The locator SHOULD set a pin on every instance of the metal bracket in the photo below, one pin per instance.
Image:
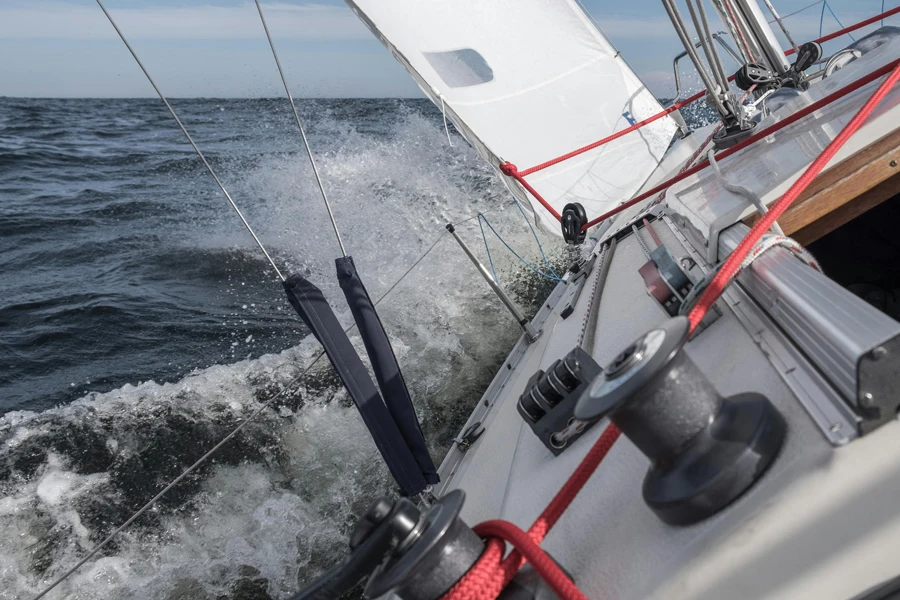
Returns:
(469, 436)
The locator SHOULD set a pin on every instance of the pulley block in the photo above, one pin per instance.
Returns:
(666, 281)
(573, 219)
(753, 74)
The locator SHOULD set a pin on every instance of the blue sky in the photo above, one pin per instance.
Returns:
(216, 47)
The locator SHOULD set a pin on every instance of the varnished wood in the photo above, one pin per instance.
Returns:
(830, 201)
(849, 211)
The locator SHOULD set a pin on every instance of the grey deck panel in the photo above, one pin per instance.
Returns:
(613, 544)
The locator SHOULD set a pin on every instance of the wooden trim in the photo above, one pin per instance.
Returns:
(826, 204)
(849, 211)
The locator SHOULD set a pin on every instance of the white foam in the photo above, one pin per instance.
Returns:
(286, 510)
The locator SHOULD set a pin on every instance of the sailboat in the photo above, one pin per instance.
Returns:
(697, 410)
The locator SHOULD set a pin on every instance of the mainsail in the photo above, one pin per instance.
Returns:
(526, 81)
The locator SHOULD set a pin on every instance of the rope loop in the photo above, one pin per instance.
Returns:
(487, 578)
(779, 241)
(509, 169)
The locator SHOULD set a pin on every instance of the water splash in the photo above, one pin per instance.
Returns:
(273, 509)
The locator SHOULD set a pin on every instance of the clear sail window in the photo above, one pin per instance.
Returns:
(460, 68)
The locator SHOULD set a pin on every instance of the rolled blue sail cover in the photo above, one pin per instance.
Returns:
(384, 363)
(310, 304)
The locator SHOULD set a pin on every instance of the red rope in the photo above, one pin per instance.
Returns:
(512, 171)
(492, 573)
(606, 140)
(733, 263)
(790, 120)
(852, 28)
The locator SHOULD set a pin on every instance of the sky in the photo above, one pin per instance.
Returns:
(216, 48)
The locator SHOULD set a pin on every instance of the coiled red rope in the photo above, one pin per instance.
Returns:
(492, 572)
(511, 170)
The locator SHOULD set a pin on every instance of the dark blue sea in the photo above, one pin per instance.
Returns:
(139, 324)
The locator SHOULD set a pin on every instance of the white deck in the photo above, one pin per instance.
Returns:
(822, 523)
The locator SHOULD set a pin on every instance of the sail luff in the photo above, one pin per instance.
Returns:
(525, 81)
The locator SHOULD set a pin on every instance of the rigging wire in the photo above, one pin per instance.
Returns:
(289, 387)
(483, 218)
(800, 10)
(191, 140)
(312, 160)
(536, 238)
(486, 248)
(176, 481)
(783, 27)
(825, 5)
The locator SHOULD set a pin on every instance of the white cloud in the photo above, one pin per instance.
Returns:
(55, 20)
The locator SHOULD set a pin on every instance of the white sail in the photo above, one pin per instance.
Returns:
(526, 81)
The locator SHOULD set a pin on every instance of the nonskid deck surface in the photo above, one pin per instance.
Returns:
(816, 526)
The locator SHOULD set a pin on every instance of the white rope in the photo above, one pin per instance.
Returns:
(779, 241)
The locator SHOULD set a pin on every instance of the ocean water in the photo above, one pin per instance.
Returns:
(139, 324)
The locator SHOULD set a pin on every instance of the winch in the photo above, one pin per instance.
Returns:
(413, 555)
(705, 450)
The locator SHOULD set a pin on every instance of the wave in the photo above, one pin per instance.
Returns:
(145, 325)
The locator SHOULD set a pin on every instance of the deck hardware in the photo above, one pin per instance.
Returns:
(530, 332)
(666, 282)
(705, 450)
(665, 278)
(549, 399)
(415, 555)
(808, 54)
(469, 436)
(577, 285)
(854, 345)
(573, 220)
(753, 75)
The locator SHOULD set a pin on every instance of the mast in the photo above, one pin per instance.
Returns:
(759, 30)
(765, 65)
